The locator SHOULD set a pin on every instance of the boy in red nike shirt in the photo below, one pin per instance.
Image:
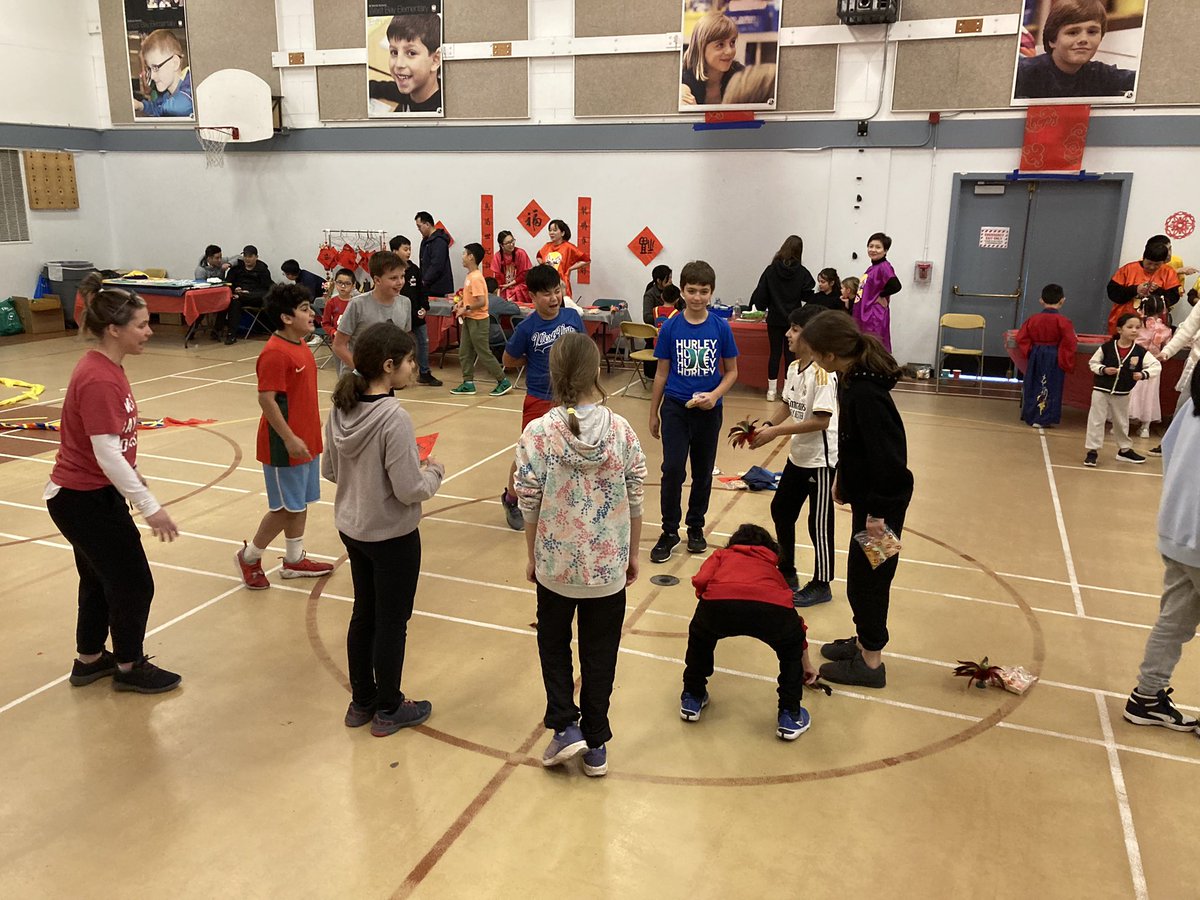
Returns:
(289, 438)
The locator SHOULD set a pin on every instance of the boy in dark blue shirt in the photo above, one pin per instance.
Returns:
(530, 347)
(697, 365)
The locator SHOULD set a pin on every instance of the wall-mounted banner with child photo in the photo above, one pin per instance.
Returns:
(160, 79)
(404, 59)
(730, 54)
(1079, 51)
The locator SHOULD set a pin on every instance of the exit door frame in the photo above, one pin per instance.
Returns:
(1124, 179)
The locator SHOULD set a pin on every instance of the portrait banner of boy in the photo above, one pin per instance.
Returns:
(404, 59)
(160, 76)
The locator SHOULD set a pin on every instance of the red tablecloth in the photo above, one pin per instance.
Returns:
(753, 352)
(192, 304)
(1077, 389)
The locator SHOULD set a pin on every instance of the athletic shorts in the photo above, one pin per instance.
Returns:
(534, 408)
(293, 488)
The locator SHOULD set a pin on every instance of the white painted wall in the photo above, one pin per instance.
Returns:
(84, 233)
(48, 63)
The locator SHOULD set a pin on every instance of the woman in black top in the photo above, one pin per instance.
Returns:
(783, 286)
(873, 477)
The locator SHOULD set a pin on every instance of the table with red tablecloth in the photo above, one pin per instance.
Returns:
(753, 352)
(1077, 388)
(190, 302)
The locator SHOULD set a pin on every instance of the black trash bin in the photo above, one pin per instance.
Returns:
(69, 272)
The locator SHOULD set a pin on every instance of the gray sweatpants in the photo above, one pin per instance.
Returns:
(1107, 406)
(1178, 618)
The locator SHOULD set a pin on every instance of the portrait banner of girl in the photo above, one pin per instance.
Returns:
(160, 76)
(729, 55)
(404, 59)
(1079, 51)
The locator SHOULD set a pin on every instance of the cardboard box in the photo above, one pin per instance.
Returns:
(41, 316)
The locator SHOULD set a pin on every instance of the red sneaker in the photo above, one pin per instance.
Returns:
(305, 568)
(252, 573)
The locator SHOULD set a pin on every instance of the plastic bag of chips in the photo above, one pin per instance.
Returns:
(1016, 679)
(879, 551)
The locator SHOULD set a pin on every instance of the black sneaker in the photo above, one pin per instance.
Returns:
(1130, 455)
(1157, 710)
(230, 338)
(512, 512)
(854, 671)
(793, 581)
(358, 716)
(842, 648)
(1091, 459)
(696, 542)
(146, 678)
(812, 593)
(406, 715)
(664, 548)
(430, 379)
(1155, 450)
(85, 673)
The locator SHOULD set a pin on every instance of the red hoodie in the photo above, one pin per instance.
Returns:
(743, 572)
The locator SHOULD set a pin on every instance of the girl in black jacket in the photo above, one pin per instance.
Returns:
(873, 477)
(783, 286)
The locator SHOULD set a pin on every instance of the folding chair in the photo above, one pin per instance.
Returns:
(629, 331)
(960, 322)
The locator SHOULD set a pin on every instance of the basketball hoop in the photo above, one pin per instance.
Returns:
(213, 139)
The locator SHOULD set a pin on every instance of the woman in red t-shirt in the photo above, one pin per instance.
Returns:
(92, 484)
(561, 253)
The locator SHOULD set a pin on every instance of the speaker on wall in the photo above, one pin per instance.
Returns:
(868, 12)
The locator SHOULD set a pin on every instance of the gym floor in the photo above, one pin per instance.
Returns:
(244, 782)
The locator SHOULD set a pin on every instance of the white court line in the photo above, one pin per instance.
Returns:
(500, 452)
(1102, 469)
(527, 633)
(1132, 850)
(1062, 526)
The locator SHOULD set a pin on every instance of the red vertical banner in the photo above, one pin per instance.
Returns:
(1055, 138)
(584, 243)
(487, 235)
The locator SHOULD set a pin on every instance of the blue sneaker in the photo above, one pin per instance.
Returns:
(565, 745)
(792, 725)
(595, 762)
(690, 706)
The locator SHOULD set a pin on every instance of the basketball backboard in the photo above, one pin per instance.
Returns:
(234, 99)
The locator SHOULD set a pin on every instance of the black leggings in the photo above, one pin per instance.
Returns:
(115, 584)
(869, 590)
(385, 586)
(777, 341)
(779, 627)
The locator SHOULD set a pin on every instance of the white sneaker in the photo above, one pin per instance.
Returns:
(771, 394)
(1145, 432)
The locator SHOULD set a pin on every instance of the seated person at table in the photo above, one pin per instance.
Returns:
(497, 307)
(652, 298)
(212, 264)
(249, 279)
(315, 284)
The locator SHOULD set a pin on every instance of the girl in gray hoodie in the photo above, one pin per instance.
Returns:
(371, 455)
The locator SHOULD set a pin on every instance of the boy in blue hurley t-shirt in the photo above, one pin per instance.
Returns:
(530, 347)
(697, 364)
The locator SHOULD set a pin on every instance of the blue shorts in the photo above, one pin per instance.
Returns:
(293, 488)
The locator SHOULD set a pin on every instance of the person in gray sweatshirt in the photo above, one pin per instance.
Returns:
(1179, 543)
(371, 455)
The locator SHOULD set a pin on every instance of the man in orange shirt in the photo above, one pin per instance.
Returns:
(1136, 280)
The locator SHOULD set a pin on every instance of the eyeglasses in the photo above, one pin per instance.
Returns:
(153, 69)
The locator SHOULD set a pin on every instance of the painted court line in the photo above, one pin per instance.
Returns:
(1132, 849)
(1062, 526)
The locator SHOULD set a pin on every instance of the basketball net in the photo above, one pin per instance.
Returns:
(214, 139)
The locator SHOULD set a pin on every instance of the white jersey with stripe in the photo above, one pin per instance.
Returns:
(809, 391)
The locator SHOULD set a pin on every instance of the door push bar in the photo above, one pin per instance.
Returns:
(1015, 296)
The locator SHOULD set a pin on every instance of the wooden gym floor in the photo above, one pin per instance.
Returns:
(245, 783)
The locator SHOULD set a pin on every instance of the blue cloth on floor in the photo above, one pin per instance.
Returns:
(760, 479)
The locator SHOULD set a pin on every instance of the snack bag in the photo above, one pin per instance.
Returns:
(879, 552)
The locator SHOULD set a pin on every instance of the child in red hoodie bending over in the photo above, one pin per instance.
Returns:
(748, 568)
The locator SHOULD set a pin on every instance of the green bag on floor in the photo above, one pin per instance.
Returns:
(10, 322)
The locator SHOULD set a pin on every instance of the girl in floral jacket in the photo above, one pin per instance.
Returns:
(579, 479)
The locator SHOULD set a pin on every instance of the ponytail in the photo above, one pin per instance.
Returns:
(835, 333)
(110, 306)
(574, 373)
(372, 349)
